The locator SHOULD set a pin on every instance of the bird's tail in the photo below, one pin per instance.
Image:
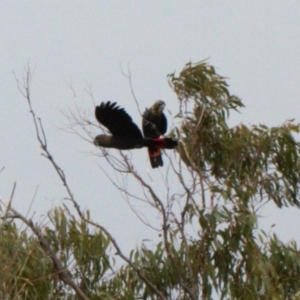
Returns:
(155, 157)
(165, 143)
(154, 146)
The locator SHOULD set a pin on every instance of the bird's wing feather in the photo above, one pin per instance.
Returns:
(148, 125)
(163, 124)
(116, 120)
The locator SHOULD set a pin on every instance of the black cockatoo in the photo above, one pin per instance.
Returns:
(154, 125)
(125, 133)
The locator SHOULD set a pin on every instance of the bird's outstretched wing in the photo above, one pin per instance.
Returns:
(116, 120)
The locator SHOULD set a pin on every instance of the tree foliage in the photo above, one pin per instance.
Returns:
(210, 243)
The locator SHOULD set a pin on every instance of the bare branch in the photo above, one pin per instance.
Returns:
(129, 77)
(41, 137)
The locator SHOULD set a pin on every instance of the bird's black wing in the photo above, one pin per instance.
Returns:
(163, 124)
(116, 120)
(154, 125)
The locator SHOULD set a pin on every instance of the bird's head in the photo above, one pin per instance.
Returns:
(102, 140)
(158, 107)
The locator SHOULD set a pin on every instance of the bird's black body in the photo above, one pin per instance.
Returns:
(154, 125)
(127, 143)
(125, 133)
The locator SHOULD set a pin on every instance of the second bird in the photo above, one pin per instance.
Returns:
(154, 125)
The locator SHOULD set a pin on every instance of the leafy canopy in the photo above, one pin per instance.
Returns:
(210, 245)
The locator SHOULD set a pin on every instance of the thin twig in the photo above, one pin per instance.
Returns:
(129, 77)
(43, 143)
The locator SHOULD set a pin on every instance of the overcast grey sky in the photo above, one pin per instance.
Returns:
(85, 43)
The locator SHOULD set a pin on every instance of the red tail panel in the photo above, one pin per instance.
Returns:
(155, 157)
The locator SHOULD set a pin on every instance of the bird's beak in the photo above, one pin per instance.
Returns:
(95, 141)
(161, 106)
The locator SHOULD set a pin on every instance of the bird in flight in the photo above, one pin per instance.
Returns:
(125, 133)
(154, 125)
